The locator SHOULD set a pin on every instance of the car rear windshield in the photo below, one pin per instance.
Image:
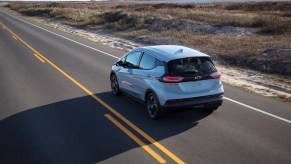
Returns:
(191, 66)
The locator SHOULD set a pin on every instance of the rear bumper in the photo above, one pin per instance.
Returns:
(197, 102)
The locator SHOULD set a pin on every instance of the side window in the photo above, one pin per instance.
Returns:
(123, 59)
(147, 62)
(132, 59)
(160, 63)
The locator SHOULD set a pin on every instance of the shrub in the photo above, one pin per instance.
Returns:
(37, 12)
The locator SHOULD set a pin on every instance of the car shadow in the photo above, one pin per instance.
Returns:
(173, 123)
(76, 131)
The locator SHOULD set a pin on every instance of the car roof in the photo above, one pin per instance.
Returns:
(171, 52)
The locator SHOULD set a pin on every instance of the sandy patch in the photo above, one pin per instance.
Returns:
(263, 84)
(94, 35)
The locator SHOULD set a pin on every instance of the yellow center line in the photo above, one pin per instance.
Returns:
(138, 141)
(14, 37)
(129, 123)
(39, 58)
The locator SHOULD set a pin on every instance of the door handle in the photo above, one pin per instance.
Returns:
(148, 75)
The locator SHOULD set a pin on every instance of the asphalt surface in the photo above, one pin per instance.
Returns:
(61, 110)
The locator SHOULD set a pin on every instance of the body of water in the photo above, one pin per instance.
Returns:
(209, 1)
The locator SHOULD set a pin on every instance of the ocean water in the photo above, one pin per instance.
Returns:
(209, 1)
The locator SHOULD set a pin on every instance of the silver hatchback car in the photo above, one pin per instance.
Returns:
(168, 76)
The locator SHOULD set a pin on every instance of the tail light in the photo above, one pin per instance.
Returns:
(172, 79)
(215, 75)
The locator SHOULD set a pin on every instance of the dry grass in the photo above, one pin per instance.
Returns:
(238, 51)
(271, 17)
(132, 20)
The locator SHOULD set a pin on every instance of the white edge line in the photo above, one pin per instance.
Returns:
(229, 99)
(258, 110)
(63, 36)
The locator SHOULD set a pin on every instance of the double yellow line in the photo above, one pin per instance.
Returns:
(136, 139)
(39, 58)
(14, 37)
(129, 123)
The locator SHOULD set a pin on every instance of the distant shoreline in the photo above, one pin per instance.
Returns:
(171, 1)
(211, 1)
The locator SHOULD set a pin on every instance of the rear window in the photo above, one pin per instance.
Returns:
(191, 66)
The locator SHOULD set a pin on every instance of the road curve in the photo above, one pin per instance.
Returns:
(56, 107)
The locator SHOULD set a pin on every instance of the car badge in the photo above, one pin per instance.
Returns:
(198, 77)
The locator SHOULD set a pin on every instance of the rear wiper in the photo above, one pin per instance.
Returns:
(191, 71)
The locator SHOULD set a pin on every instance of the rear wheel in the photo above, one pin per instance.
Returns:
(114, 85)
(153, 107)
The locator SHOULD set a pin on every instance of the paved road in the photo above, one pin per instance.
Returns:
(56, 107)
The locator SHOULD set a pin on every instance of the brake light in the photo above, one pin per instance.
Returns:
(172, 79)
(215, 75)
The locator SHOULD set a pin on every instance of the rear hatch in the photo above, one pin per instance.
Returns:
(191, 75)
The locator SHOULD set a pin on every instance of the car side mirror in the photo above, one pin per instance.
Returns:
(119, 63)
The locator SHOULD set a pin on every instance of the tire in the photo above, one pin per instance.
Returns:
(114, 85)
(153, 107)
